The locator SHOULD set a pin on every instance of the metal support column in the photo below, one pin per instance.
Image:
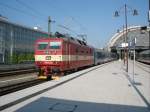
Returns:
(11, 45)
(49, 25)
(125, 8)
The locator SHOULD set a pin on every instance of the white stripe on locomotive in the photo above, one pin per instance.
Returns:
(62, 57)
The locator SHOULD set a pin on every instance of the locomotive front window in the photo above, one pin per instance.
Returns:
(55, 45)
(42, 45)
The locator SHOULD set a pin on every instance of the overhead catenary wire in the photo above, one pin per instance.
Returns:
(84, 35)
(80, 25)
(23, 12)
(71, 30)
(18, 10)
(37, 15)
(64, 27)
(28, 7)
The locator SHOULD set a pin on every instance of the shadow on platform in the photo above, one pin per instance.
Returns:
(137, 83)
(45, 104)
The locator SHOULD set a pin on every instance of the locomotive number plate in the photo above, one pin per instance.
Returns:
(48, 57)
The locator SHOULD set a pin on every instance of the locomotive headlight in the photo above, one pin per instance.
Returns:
(48, 57)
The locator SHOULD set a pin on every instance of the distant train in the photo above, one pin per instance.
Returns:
(101, 56)
(144, 57)
(58, 55)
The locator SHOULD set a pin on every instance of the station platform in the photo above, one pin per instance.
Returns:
(103, 88)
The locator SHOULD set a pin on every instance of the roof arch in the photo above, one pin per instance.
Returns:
(121, 34)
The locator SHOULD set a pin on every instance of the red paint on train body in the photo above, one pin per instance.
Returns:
(54, 55)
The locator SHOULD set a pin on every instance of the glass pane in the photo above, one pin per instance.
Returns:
(42, 45)
(55, 45)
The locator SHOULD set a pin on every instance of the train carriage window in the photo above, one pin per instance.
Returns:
(42, 45)
(55, 45)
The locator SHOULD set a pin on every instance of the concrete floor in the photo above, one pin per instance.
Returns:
(108, 88)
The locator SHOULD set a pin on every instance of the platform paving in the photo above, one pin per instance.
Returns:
(108, 88)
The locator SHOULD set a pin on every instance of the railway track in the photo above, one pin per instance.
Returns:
(15, 80)
(46, 89)
(143, 67)
(17, 72)
(16, 87)
(144, 61)
(22, 85)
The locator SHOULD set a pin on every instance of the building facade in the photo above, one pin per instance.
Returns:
(142, 38)
(17, 41)
(119, 42)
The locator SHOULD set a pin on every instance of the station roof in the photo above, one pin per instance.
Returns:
(142, 37)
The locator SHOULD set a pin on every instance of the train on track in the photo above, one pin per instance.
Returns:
(144, 57)
(55, 56)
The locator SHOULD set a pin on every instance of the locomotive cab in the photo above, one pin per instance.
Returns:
(56, 56)
(48, 56)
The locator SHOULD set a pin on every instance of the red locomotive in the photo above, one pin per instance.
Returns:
(60, 54)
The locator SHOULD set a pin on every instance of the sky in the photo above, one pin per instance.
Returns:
(93, 18)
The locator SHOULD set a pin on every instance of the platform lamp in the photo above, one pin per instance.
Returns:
(124, 10)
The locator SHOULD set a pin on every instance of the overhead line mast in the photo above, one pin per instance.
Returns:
(49, 25)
